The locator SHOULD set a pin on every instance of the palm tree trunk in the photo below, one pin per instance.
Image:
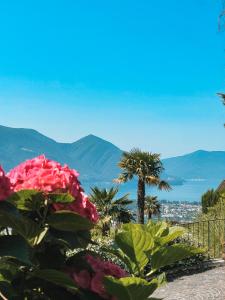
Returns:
(149, 215)
(141, 200)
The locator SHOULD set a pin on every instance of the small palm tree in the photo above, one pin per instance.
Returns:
(110, 209)
(147, 167)
(152, 206)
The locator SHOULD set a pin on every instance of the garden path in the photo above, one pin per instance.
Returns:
(208, 285)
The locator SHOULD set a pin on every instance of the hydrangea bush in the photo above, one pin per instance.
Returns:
(49, 176)
(45, 215)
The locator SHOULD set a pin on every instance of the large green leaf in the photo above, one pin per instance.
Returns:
(28, 200)
(174, 233)
(130, 288)
(9, 208)
(56, 277)
(61, 198)
(135, 242)
(171, 254)
(72, 240)
(158, 229)
(16, 247)
(69, 221)
(23, 226)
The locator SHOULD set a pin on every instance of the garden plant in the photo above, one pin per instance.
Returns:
(46, 224)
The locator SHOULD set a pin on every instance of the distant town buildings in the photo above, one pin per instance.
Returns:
(179, 211)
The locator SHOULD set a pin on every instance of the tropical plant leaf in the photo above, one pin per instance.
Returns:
(130, 288)
(56, 277)
(171, 254)
(174, 233)
(135, 242)
(69, 221)
(158, 229)
(16, 247)
(28, 200)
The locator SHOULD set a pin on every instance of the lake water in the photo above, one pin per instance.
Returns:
(190, 191)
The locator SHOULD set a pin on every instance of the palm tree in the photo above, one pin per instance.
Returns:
(110, 209)
(147, 167)
(152, 206)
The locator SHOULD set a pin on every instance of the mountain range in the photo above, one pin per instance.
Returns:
(96, 159)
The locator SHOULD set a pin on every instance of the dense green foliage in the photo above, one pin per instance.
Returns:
(209, 199)
(145, 249)
(38, 245)
(208, 230)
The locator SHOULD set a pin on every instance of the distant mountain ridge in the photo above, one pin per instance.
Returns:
(200, 164)
(96, 159)
(92, 156)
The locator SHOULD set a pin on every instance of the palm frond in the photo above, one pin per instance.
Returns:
(123, 177)
(163, 185)
(222, 95)
(108, 206)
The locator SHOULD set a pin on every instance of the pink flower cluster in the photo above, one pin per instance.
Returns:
(5, 186)
(49, 176)
(94, 281)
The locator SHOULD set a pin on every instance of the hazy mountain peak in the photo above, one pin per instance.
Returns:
(97, 159)
(92, 139)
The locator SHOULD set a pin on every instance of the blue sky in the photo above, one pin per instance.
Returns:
(138, 73)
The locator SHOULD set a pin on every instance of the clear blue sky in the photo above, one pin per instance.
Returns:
(138, 73)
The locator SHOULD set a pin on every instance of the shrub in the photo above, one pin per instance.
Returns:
(46, 222)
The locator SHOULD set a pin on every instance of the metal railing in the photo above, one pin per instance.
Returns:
(209, 234)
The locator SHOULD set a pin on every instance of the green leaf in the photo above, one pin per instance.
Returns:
(51, 256)
(174, 233)
(9, 267)
(130, 288)
(135, 242)
(61, 198)
(56, 277)
(171, 254)
(16, 247)
(158, 229)
(121, 255)
(8, 207)
(28, 200)
(7, 290)
(72, 240)
(5, 283)
(23, 226)
(69, 221)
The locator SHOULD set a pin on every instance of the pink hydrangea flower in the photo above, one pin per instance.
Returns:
(5, 187)
(49, 176)
(83, 279)
(94, 281)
